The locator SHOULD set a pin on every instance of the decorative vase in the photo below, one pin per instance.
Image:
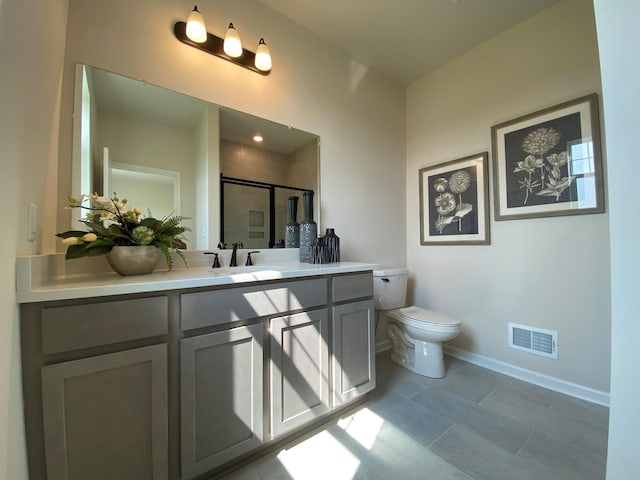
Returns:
(318, 254)
(134, 260)
(292, 229)
(331, 246)
(308, 228)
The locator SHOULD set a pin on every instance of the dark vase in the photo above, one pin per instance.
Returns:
(318, 254)
(331, 246)
(292, 229)
(308, 228)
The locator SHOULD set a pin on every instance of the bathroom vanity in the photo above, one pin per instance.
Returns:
(183, 374)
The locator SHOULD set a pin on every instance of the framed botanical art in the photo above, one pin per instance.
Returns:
(454, 202)
(548, 163)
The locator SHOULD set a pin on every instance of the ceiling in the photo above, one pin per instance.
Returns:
(406, 39)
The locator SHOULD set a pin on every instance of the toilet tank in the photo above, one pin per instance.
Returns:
(390, 288)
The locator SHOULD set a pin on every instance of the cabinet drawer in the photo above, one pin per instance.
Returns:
(83, 326)
(203, 309)
(348, 287)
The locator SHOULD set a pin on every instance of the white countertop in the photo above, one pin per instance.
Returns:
(46, 277)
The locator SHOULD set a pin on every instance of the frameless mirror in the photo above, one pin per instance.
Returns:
(172, 154)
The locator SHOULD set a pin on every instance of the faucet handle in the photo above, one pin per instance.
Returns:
(216, 260)
(248, 263)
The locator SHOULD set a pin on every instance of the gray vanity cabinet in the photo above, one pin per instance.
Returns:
(221, 397)
(353, 338)
(353, 347)
(105, 417)
(96, 389)
(175, 385)
(299, 369)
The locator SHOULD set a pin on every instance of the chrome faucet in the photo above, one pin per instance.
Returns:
(234, 262)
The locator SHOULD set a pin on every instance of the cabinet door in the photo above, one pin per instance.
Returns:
(299, 369)
(105, 417)
(354, 372)
(221, 397)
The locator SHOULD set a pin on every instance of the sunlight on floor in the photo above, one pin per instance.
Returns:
(319, 457)
(363, 427)
(309, 460)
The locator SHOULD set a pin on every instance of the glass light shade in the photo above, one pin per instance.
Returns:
(263, 57)
(196, 30)
(232, 44)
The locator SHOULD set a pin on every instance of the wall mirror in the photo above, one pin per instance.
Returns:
(170, 153)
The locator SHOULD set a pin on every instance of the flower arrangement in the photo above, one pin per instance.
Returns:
(113, 222)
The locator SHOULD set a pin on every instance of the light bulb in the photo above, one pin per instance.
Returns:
(232, 44)
(196, 30)
(263, 57)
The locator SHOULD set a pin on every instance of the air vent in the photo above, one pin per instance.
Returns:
(533, 340)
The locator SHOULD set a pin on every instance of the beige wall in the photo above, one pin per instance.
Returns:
(29, 94)
(358, 113)
(551, 273)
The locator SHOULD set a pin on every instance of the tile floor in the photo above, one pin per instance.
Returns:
(473, 424)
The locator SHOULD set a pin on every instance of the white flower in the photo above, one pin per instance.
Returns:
(89, 237)
(71, 241)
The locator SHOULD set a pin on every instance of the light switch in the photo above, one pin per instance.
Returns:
(32, 222)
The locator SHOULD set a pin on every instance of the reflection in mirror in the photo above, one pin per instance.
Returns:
(167, 152)
(158, 190)
(262, 206)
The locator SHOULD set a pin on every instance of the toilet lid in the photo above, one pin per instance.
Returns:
(427, 316)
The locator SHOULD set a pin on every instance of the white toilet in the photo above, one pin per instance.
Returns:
(416, 333)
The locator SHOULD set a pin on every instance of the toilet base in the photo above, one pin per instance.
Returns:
(429, 360)
(423, 358)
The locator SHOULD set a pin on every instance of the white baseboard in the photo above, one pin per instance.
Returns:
(552, 383)
(383, 345)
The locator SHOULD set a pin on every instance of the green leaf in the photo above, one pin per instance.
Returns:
(78, 251)
(118, 232)
(71, 233)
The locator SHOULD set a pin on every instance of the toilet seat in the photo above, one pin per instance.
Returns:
(427, 316)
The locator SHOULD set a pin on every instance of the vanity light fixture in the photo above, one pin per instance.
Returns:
(263, 57)
(232, 43)
(194, 33)
(196, 30)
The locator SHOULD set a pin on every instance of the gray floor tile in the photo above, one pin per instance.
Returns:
(469, 388)
(590, 413)
(502, 431)
(395, 456)
(497, 380)
(482, 460)
(249, 472)
(392, 377)
(474, 424)
(568, 461)
(546, 420)
(453, 364)
(416, 421)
